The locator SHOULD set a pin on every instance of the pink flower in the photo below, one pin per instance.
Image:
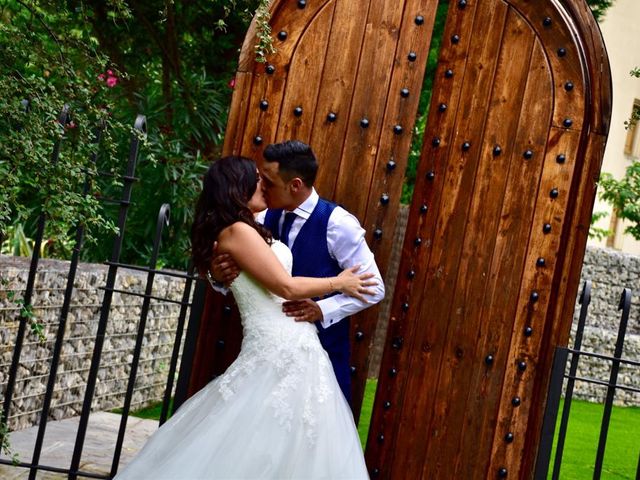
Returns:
(101, 77)
(110, 73)
(232, 83)
(72, 124)
(112, 82)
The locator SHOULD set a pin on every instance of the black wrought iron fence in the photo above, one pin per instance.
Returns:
(571, 356)
(189, 302)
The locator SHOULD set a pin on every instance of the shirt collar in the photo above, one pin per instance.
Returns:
(305, 208)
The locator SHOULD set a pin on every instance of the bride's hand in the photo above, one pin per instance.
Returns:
(355, 285)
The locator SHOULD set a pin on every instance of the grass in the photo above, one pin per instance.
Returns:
(621, 455)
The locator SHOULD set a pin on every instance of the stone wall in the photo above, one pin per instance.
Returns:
(79, 339)
(610, 271)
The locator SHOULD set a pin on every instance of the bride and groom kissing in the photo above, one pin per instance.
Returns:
(281, 410)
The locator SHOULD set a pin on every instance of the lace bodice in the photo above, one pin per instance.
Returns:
(270, 337)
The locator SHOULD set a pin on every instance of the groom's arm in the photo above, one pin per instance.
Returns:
(347, 244)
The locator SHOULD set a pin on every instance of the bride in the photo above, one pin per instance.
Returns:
(277, 412)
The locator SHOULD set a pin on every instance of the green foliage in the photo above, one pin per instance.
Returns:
(5, 442)
(171, 61)
(598, 233)
(599, 7)
(624, 196)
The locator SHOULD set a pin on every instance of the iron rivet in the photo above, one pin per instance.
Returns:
(568, 86)
(270, 69)
(534, 297)
(397, 342)
(331, 117)
(257, 140)
(515, 401)
(297, 111)
(423, 209)
(448, 73)
(282, 35)
(393, 372)
(397, 129)
(264, 105)
(227, 310)
(405, 307)
(541, 262)
(547, 22)
(359, 335)
(562, 52)
(528, 331)
(508, 437)
(377, 233)
(353, 370)
(466, 146)
(417, 242)
(386, 405)
(412, 56)
(384, 199)
(554, 193)
(302, 3)
(391, 165)
(546, 228)
(419, 20)
(404, 93)
(364, 123)
(431, 175)
(375, 472)
(411, 274)
(435, 142)
(497, 151)
(455, 39)
(220, 344)
(502, 472)
(528, 154)
(488, 359)
(380, 438)
(522, 365)
(567, 122)
(442, 107)
(462, 3)
(561, 158)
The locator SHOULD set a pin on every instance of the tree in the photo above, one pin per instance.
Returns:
(170, 60)
(624, 194)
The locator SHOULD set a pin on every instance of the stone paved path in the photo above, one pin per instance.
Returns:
(60, 437)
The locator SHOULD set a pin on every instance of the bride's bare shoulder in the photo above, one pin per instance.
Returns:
(235, 232)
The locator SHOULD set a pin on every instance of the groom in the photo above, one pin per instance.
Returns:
(324, 239)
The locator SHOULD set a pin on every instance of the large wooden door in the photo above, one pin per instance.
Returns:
(500, 214)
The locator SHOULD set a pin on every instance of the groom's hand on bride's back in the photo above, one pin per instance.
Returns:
(224, 269)
(302, 310)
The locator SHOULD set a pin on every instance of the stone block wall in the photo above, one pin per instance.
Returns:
(79, 339)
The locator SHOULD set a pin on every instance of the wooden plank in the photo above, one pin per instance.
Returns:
(305, 75)
(504, 275)
(464, 317)
(438, 290)
(518, 384)
(336, 91)
(369, 99)
(384, 194)
(238, 114)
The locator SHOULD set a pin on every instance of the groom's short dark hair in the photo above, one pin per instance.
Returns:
(295, 159)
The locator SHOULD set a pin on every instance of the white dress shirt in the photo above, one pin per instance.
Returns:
(347, 245)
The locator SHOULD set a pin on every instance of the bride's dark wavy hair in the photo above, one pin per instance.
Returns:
(227, 187)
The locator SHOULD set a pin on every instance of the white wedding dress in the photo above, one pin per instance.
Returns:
(276, 413)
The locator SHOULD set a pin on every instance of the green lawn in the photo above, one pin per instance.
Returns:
(623, 444)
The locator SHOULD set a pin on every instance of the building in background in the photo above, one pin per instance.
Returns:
(621, 32)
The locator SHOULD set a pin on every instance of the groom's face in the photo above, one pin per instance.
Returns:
(278, 191)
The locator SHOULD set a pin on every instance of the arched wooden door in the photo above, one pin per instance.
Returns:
(499, 218)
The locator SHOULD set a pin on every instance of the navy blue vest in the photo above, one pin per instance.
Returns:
(311, 258)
